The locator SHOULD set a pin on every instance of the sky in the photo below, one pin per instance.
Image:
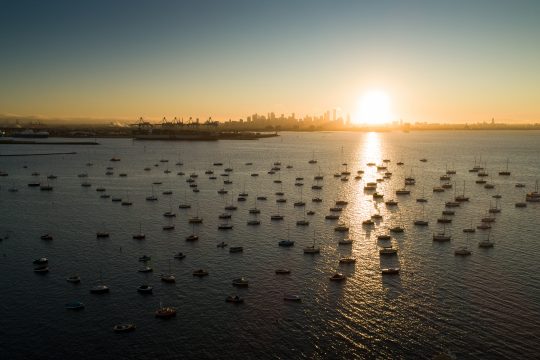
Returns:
(437, 61)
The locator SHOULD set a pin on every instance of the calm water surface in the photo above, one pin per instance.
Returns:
(486, 305)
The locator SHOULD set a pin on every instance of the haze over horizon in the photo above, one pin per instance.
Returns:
(433, 61)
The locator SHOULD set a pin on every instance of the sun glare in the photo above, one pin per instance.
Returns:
(374, 108)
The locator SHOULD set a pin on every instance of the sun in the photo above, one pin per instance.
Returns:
(374, 108)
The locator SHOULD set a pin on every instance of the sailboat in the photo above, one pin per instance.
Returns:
(397, 228)
(146, 268)
(168, 277)
(469, 229)
(410, 180)
(179, 162)
(316, 186)
(486, 243)
(505, 172)
(140, 235)
(243, 193)
(193, 236)
(403, 191)
(86, 183)
(127, 202)
(229, 169)
(483, 172)
(280, 192)
(533, 196)
(254, 209)
(100, 288)
(345, 241)
(346, 172)
(46, 187)
(341, 227)
(231, 206)
(387, 250)
(286, 242)
(312, 249)
(170, 213)
(496, 209)
(444, 219)
(377, 215)
(312, 161)
(463, 250)
(195, 219)
(390, 271)
(165, 312)
(368, 222)
(451, 171)
(476, 167)
(319, 176)
(151, 197)
(276, 216)
(421, 222)
(169, 226)
(422, 199)
(442, 236)
(304, 221)
(185, 204)
(462, 197)
(102, 234)
(301, 201)
(225, 226)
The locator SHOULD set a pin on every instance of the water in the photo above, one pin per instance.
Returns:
(484, 305)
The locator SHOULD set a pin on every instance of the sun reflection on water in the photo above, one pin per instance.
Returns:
(372, 148)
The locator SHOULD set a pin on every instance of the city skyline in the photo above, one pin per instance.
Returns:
(435, 62)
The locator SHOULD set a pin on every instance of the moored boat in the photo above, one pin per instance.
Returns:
(346, 241)
(283, 271)
(165, 312)
(99, 289)
(236, 249)
(75, 305)
(121, 328)
(338, 277)
(41, 269)
(240, 282)
(286, 243)
(200, 273)
(462, 251)
(145, 289)
(74, 279)
(533, 196)
(390, 271)
(40, 261)
(387, 250)
(234, 299)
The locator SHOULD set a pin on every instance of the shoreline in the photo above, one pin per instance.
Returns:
(94, 133)
(32, 142)
(40, 154)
